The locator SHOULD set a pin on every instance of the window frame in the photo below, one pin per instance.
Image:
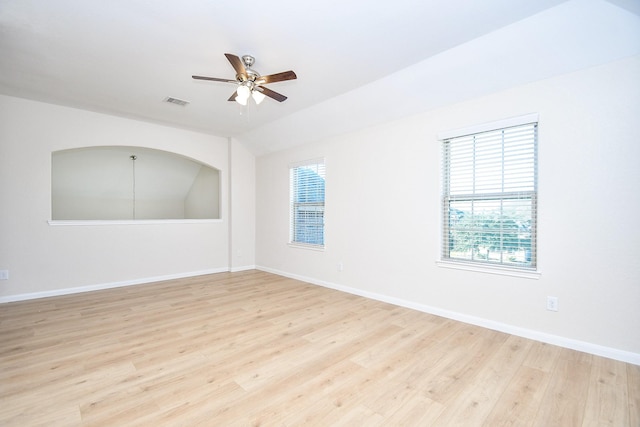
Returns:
(318, 166)
(527, 271)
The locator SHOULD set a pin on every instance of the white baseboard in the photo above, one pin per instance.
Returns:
(595, 349)
(100, 286)
(242, 268)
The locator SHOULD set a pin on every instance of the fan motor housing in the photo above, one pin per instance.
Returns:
(248, 60)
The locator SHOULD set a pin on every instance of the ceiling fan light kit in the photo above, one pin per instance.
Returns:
(242, 94)
(257, 96)
(250, 83)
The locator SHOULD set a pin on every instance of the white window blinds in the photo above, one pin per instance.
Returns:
(489, 197)
(306, 195)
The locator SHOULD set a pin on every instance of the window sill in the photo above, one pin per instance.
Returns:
(490, 269)
(58, 222)
(319, 248)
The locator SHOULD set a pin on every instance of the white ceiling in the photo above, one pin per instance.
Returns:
(358, 62)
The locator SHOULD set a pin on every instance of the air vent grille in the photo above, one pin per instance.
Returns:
(176, 101)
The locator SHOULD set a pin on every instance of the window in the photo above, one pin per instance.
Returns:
(489, 196)
(306, 181)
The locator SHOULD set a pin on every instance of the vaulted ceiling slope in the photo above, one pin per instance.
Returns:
(358, 62)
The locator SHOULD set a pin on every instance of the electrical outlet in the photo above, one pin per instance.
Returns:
(340, 266)
(552, 303)
(4, 274)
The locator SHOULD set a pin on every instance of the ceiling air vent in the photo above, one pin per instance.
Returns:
(176, 101)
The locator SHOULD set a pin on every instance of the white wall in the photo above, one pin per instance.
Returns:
(45, 259)
(203, 201)
(100, 208)
(243, 207)
(382, 213)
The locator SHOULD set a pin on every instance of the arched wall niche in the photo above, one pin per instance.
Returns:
(131, 183)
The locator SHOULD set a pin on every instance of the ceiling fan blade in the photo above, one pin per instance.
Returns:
(233, 96)
(215, 79)
(237, 65)
(279, 77)
(271, 94)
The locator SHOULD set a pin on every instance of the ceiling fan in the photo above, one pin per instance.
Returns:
(250, 83)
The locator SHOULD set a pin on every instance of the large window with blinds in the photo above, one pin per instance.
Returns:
(489, 197)
(306, 196)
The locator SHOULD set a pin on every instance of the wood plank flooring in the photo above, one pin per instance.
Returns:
(257, 349)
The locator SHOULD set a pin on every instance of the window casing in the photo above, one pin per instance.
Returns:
(306, 196)
(489, 197)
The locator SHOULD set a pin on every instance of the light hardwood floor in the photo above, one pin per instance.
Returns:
(253, 348)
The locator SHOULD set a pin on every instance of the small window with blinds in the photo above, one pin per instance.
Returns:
(306, 195)
(489, 197)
